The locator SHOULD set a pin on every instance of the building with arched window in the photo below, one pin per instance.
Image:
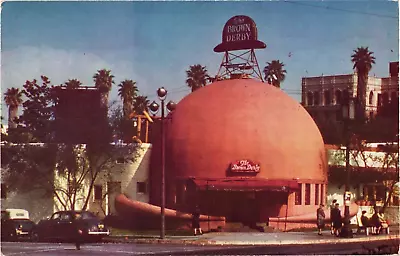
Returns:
(322, 96)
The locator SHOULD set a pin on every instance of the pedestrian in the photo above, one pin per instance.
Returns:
(365, 220)
(320, 219)
(332, 206)
(378, 219)
(196, 221)
(77, 230)
(336, 218)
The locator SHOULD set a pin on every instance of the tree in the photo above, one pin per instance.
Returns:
(274, 73)
(73, 83)
(127, 91)
(140, 104)
(104, 80)
(363, 60)
(196, 77)
(67, 173)
(38, 110)
(13, 99)
(116, 120)
(369, 165)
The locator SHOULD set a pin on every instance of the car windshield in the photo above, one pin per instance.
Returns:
(86, 215)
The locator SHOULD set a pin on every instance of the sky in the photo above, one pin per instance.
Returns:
(154, 43)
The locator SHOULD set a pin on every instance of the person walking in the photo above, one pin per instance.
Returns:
(196, 221)
(332, 206)
(77, 230)
(336, 218)
(320, 219)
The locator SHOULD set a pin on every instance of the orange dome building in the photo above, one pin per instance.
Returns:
(245, 150)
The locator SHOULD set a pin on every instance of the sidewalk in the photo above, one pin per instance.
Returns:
(256, 238)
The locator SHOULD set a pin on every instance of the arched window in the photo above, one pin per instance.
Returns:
(385, 98)
(310, 99)
(371, 98)
(327, 97)
(338, 97)
(394, 98)
(345, 96)
(316, 98)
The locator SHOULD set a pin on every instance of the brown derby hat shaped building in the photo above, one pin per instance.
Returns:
(245, 150)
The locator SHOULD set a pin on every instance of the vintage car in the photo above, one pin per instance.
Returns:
(68, 225)
(15, 224)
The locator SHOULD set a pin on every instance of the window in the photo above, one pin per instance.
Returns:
(316, 98)
(385, 99)
(180, 193)
(394, 98)
(297, 200)
(316, 201)
(3, 190)
(56, 216)
(310, 99)
(114, 188)
(141, 187)
(379, 100)
(322, 193)
(308, 194)
(371, 98)
(327, 97)
(98, 192)
(65, 216)
(338, 95)
(345, 96)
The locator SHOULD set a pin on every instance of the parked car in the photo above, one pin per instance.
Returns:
(64, 225)
(15, 224)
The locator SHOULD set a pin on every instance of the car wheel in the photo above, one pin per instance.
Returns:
(98, 239)
(35, 236)
(12, 236)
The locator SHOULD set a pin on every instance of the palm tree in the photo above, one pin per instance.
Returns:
(141, 103)
(127, 91)
(73, 83)
(196, 77)
(363, 60)
(103, 80)
(13, 99)
(274, 73)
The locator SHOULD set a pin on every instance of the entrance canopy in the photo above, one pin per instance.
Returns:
(245, 184)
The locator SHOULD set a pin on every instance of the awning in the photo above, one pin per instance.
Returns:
(245, 184)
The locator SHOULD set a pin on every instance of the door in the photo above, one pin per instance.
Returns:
(113, 189)
(65, 226)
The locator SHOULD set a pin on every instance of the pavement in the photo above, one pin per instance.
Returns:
(257, 238)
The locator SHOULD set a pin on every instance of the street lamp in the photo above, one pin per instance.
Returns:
(348, 114)
(162, 94)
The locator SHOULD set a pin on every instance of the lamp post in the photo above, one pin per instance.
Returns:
(348, 114)
(162, 94)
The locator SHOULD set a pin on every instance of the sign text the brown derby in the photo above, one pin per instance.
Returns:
(245, 166)
(238, 32)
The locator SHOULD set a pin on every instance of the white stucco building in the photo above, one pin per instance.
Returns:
(130, 178)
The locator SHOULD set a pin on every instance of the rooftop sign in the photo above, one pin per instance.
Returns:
(240, 32)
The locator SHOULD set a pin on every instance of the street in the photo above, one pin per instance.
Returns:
(27, 248)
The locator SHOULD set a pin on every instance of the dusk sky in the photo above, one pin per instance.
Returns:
(153, 43)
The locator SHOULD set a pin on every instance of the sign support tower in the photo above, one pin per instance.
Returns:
(239, 40)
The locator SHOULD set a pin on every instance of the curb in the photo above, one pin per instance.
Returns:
(211, 241)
